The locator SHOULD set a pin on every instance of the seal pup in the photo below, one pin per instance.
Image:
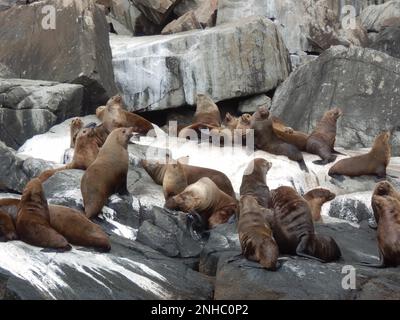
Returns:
(293, 228)
(205, 198)
(255, 234)
(322, 140)
(108, 173)
(33, 219)
(316, 198)
(266, 140)
(374, 162)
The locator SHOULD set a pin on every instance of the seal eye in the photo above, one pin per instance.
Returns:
(124, 131)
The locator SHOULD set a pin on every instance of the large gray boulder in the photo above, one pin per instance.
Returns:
(77, 50)
(231, 60)
(388, 41)
(157, 11)
(376, 17)
(363, 82)
(31, 107)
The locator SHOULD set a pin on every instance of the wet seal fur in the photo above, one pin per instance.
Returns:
(294, 229)
(265, 138)
(322, 140)
(205, 198)
(255, 234)
(374, 162)
(108, 173)
(316, 198)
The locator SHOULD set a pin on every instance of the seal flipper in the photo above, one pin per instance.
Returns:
(338, 153)
(59, 250)
(338, 177)
(303, 165)
(379, 265)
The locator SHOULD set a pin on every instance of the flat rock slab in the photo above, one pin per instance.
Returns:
(228, 61)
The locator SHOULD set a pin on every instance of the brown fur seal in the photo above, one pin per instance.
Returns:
(175, 180)
(294, 229)
(287, 134)
(33, 219)
(157, 170)
(316, 198)
(73, 225)
(388, 210)
(100, 112)
(108, 173)
(383, 188)
(255, 234)
(266, 140)
(207, 111)
(372, 163)
(205, 198)
(88, 143)
(322, 140)
(254, 182)
(230, 121)
(115, 116)
(75, 126)
(7, 228)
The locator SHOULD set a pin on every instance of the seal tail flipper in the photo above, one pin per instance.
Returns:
(303, 166)
(338, 153)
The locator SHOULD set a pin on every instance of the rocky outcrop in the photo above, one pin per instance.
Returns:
(31, 107)
(377, 17)
(174, 69)
(360, 81)
(157, 11)
(388, 41)
(72, 48)
(252, 104)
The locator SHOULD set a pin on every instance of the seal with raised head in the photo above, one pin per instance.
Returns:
(316, 198)
(322, 140)
(156, 171)
(293, 228)
(254, 182)
(206, 199)
(383, 188)
(230, 121)
(388, 210)
(265, 138)
(115, 116)
(175, 180)
(7, 228)
(255, 234)
(207, 112)
(108, 173)
(287, 134)
(75, 126)
(374, 162)
(88, 143)
(33, 219)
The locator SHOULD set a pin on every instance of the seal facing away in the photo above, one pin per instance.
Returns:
(374, 162)
(33, 219)
(108, 173)
(254, 182)
(206, 199)
(322, 140)
(265, 138)
(255, 234)
(316, 198)
(293, 228)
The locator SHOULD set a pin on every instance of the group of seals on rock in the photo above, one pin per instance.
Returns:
(278, 221)
(49, 226)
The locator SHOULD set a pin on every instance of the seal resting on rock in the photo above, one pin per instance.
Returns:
(87, 147)
(75, 126)
(322, 140)
(33, 219)
(7, 228)
(287, 134)
(156, 171)
(115, 116)
(108, 173)
(316, 198)
(388, 210)
(255, 234)
(254, 182)
(383, 188)
(175, 180)
(265, 138)
(293, 228)
(206, 199)
(374, 162)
